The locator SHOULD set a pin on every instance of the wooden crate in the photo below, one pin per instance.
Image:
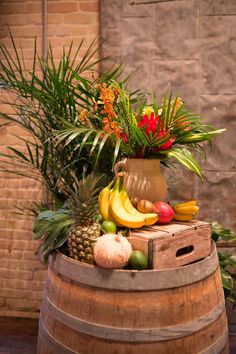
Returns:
(174, 244)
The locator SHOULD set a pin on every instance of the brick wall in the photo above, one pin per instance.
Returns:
(187, 47)
(22, 274)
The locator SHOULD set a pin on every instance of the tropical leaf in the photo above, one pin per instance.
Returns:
(52, 227)
(226, 279)
(32, 209)
(219, 232)
(191, 138)
(102, 143)
(116, 152)
(184, 157)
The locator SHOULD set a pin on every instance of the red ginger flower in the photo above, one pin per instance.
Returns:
(152, 123)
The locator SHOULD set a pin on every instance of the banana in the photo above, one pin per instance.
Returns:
(183, 217)
(103, 199)
(186, 209)
(150, 218)
(103, 203)
(190, 202)
(118, 211)
(127, 203)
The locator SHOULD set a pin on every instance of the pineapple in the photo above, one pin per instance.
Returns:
(86, 229)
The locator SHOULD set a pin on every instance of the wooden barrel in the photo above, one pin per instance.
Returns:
(88, 310)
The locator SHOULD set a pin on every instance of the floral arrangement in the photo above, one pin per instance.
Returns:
(78, 118)
(119, 124)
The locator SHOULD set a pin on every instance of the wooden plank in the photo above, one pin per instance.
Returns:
(53, 345)
(171, 228)
(134, 334)
(220, 347)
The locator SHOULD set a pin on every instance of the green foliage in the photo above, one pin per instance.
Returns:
(220, 233)
(184, 157)
(45, 99)
(227, 261)
(52, 227)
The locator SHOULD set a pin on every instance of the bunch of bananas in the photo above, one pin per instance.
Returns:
(115, 205)
(185, 211)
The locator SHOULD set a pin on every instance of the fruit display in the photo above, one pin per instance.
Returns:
(164, 211)
(115, 205)
(185, 211)
(86, 229)
(93, 238)
(112, 251)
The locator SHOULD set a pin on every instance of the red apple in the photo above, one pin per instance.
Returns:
(164, 211)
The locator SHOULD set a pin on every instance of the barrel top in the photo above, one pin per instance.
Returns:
(134, 280)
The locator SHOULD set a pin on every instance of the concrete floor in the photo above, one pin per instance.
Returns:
(19, 336)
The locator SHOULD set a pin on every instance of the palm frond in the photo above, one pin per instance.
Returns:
(32, 209)
(48, 102)
(184, 157)
(197, 137)
(101, 146)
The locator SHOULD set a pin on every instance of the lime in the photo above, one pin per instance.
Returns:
(138, 260)
(109, 227)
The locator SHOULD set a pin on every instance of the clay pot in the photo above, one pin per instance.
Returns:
(143, 178)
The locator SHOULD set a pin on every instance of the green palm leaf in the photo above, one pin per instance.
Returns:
(96, 141)
(184, 157)
(101, 146)
(191, 138)
(116, 152)
(49, 103)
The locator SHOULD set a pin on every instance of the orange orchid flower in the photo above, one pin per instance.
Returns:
(107, 98)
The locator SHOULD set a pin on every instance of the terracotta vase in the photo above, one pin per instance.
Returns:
(143, 178)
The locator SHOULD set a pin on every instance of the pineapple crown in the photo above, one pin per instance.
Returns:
(83, 199)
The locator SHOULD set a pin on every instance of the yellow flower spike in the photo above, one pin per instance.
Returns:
(148, 110)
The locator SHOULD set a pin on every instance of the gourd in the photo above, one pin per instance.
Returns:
(112, 251)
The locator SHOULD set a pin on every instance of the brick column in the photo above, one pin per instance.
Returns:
(22, 274)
